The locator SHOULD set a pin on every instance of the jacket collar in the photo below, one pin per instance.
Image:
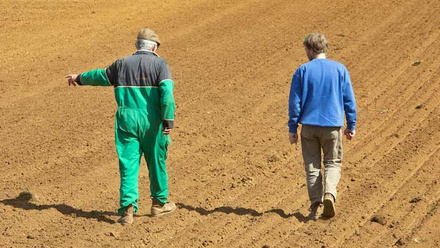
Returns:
(146, 52)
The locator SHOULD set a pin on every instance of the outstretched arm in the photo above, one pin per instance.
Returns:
(97, 77)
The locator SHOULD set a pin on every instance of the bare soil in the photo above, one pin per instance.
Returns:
(233, 174)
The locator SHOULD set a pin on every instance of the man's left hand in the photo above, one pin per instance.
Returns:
(166, 131)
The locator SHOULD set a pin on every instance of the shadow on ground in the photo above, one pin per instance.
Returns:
(243, 211)
(23, 202)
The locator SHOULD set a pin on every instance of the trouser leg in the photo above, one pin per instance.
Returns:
(311, 151)
(331, 140)
(155, 149)
(129, 153)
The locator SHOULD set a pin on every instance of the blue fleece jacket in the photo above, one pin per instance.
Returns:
(320, 93)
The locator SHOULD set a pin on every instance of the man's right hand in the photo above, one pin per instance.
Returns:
(349, 133)
(71, 79)
(293, 137)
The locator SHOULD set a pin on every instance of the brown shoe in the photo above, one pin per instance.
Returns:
(159, 209)
(315, 211)
(329, 206)
(127, 217)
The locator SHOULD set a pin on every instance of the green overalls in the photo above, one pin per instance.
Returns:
(144, 94)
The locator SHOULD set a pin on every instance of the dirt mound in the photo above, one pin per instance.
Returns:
(234, 176)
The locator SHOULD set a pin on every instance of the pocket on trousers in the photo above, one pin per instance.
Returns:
(165, 141)
(305, 132)
(126, 122)
(336, 134)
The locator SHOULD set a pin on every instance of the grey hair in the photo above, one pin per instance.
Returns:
(316, 42)
(145, 45)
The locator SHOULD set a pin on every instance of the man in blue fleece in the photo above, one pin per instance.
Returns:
(320, 93)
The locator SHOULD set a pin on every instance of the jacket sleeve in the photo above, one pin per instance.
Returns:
(167, 103)
(295, 103)
(97, 77)
(349, 103)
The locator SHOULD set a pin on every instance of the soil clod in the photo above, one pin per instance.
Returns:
(28, 196)
(416, 62)
(379, 218)
(400, 242)
(416, 199)
(419, 106)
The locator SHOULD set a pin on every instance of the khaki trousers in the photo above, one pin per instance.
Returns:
(329, 140)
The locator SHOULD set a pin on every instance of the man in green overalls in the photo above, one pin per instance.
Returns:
(144, 94)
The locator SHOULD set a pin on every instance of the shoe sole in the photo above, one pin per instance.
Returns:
(329, 208)
(164, 213)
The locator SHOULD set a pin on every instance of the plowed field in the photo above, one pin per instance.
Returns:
(233, 174)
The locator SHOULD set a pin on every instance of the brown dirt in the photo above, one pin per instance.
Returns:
(235, 178)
